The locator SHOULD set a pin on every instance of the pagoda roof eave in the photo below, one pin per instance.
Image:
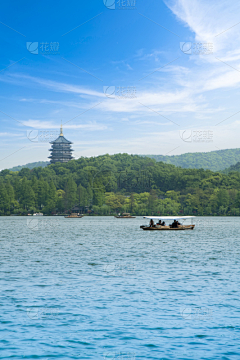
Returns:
(61, 140)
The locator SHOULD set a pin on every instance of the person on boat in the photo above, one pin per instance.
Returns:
(163, 223)
(159, 222)
(178, 223)
(175, 224)
(151, 223)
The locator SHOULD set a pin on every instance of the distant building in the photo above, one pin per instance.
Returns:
(61, 150)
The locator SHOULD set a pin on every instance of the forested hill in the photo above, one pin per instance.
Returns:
(107, 184)
(213, 160)
(235, 167)
(30, 165)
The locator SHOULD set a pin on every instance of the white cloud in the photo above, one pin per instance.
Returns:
(165, 143)
(45, 125)
(182, 99)
(55, 85)
(208, 19)
(7, 134)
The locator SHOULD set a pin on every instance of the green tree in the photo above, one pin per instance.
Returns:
(27, 198)
(115, 202)
(82, 195)
(4, 199)
(70, 196)
(10, 195)
(51, 198)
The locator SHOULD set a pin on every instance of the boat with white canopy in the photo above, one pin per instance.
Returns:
(161, 225)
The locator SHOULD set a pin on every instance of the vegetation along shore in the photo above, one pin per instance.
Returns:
(106, 185)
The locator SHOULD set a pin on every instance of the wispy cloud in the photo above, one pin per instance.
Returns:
(8, 134)
(206, 20)
(37, 124)
(181, 99)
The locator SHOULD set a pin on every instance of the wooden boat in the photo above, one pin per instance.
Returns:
(74, 216)
(125, 216)
(167, 227)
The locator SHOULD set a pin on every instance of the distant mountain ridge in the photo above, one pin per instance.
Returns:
(31, 165)
(235, 167)
(217, 160)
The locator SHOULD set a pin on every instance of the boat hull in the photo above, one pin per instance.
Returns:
(73, 217)
(165, 228)
(125, 217)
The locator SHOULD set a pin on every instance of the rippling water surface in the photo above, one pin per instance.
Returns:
(102, 288)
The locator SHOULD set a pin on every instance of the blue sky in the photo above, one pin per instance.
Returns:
(135, 49)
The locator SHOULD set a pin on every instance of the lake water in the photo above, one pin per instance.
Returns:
(102, 288)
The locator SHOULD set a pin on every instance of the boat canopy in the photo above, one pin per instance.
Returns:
(168, 217)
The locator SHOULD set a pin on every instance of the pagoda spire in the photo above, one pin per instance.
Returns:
(61, 132)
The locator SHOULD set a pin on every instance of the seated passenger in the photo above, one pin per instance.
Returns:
(163, 223)
(151, 223)
(174, 224)
(159, 222)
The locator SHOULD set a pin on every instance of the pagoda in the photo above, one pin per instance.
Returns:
(61, 150)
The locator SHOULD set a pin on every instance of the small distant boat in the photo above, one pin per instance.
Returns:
(124, 216)
(74, 216)
(174, 226)
(38, 214)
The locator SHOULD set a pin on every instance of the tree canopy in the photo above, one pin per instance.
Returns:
(109, 184)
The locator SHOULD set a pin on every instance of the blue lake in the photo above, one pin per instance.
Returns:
(102, 288)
